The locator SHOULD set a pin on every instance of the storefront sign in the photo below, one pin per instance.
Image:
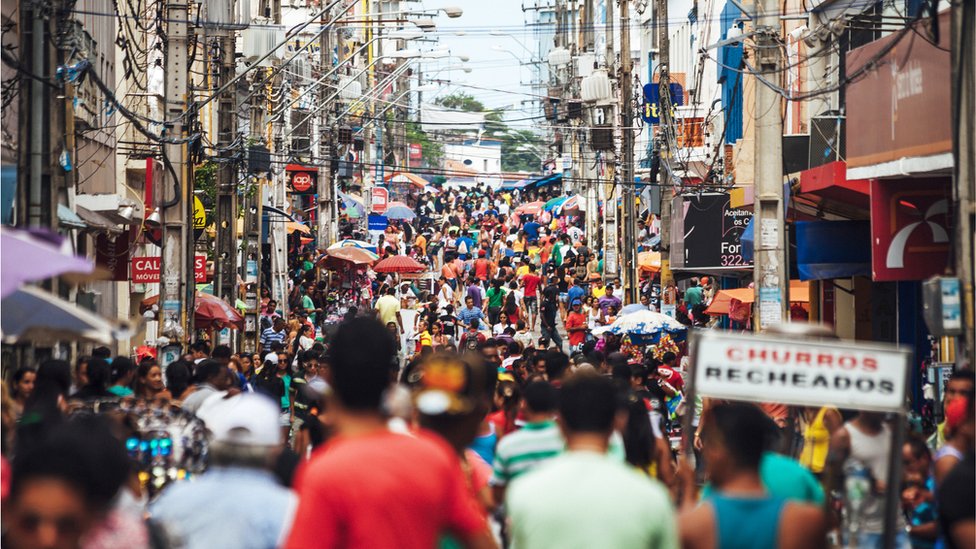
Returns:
(112, 254)
(199, 214)
(708, 233)
(303, 182)
(909, 228)
(803, 373)
(902, 106)
(416, 151)
(379, 199)
(651, 108)
(145, 270)
(376, 222)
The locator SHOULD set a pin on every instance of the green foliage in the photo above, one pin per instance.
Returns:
(433, 152)
(205, 179)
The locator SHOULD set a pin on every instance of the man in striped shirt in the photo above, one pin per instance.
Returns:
(274, 334)
(537, 441)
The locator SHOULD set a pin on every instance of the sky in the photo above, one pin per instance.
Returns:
(498, 72)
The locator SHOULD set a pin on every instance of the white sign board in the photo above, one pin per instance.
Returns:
(806, 373)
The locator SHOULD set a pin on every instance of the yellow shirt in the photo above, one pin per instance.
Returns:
(425, 339)
(522, 270)
(422, 243)
(598, 292)
(816, 443)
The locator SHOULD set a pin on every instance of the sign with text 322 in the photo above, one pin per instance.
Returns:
(805, 373)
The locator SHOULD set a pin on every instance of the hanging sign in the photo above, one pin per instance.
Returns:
(379, 199)
(145, 270)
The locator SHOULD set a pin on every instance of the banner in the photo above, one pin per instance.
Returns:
(145, 270)
(804, 373)
(909, 228)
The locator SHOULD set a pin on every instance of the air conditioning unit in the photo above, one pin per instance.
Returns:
(827, 138)
(301, 131)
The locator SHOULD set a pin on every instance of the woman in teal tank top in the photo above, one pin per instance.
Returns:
(747, 523)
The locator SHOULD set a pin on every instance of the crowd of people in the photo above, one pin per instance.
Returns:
(492, 407)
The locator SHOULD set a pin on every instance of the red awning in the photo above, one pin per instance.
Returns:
(830, 181)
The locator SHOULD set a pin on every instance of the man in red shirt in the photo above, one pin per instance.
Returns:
(483, 268)
(369, 486)
(531, 282)
(576, 325)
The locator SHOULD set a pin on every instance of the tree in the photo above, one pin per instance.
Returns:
(433, 152)
(516, 144)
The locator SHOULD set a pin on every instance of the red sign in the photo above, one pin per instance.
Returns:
(302, 182)
(145, 270)
(909, 228)
(416, 151)
(380, 198)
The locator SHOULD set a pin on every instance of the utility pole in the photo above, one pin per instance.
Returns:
(326, 187)
(177, 285)
(225, 266)
(669, 296)
(964, 162)
(770, 270)
(629, 254)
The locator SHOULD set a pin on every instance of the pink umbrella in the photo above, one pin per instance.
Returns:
(35, 255)
(532, 208)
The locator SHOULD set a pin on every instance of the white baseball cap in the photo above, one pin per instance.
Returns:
(248, 419)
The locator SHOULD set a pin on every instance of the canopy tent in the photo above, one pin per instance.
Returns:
(649, 262)
(726, 300)
(406, 177)
(546, 180)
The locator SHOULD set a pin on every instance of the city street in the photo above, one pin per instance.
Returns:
(513, 274)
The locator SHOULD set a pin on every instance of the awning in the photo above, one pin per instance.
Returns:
(830, 181)
(726, 300)
(119, 210)
(547, 180)
(833, 249)
(97, 221)
(514, 185)
(69, 219)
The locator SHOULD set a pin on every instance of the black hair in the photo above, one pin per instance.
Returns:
(102, 352)
(918, 446)
(201, 346)
(221, 352)
(963, 375)
(121, 367)
(489, 343)
(81, 452)
(668, 358)
(99, 374)
(208, 370)
(361, 357)
(637, 434)
(588, 404)
(743, 429)
(540, 397)
(556, 364)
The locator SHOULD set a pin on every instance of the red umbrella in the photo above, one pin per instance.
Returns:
(209, 311)
(399, 264)
(212, 312)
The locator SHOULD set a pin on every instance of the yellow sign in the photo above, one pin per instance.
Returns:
(199, 214)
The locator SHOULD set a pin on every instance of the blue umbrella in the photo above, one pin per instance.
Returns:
(354, 207)
(399, 212)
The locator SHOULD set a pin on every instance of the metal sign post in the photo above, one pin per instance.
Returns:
(762, 368)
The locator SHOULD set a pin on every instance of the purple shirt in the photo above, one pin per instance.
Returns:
(606, 301)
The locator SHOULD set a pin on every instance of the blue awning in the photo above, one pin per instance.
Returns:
(833, 249)
(515, 185)
(547, 180)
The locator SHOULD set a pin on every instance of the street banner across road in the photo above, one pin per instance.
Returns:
(800, 372)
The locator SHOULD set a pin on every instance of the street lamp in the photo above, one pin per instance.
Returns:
(496, 32)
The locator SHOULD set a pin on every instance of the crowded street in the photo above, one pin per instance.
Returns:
(550, 274)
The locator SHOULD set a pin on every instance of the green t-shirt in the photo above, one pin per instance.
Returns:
(784, 478)
(495, 297)
(309, 305)
(570, 500)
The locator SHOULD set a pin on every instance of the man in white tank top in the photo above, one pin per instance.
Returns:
(867, 439)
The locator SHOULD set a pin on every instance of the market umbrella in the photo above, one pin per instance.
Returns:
(293, 226)
(572, 204)
(726, 300)
(532, 208)
(633, 308)
(399, 264)
(354, 206)
(649, 262)
(36, 316)
(352, 243)
(35, 255)
(399, 211)
(554, 203)
(355, 256)
(647, 326)
(208, 311)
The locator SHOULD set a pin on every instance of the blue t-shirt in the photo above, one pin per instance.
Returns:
(575, 292)
(531, 230)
